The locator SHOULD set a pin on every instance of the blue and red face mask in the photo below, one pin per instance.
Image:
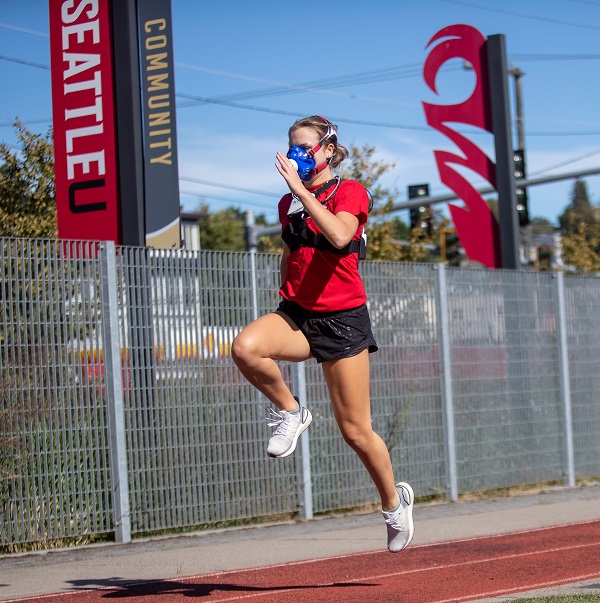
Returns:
(305, 159)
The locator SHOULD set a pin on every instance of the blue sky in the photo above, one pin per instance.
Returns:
(227, 50)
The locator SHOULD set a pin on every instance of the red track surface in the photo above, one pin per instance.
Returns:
(436, 573)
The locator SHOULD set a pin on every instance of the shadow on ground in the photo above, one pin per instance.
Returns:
(118, 588)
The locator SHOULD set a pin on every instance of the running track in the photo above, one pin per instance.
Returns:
(434, 573)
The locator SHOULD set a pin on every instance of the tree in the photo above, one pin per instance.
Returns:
(27, 195)
(580, 224)
(580, 244)
(580, 207)
(223, 230)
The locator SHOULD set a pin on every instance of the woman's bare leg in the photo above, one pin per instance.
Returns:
(349, 388)
(254, 351)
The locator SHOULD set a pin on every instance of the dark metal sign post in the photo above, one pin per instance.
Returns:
(128, 122)
(505, 181)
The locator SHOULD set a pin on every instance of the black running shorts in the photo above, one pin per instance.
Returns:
(333, 335)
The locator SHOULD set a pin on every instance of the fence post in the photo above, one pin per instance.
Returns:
(443, 332)
(565, 381)
(113, 382)
(251, 244)
(306, 511)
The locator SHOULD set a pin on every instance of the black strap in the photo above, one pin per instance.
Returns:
(297, 234)
(324, 187)
(323, 243)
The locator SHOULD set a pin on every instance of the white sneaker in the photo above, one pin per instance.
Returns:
(288, 427)
(400, 526)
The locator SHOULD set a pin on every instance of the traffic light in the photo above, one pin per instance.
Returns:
(521, 191)
(419, 216)
(449, 247)
(544, 257)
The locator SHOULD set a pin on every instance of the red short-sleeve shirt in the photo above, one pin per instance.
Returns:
(322, 280)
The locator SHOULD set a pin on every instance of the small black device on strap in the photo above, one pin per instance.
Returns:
(296, 208)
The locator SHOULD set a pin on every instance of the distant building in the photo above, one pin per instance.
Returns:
(190, 229)
(542, 249)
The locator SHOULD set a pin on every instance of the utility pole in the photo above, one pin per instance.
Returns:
(520, 123)
(518, 74)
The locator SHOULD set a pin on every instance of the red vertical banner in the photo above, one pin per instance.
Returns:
(84, 120)
(476, 226)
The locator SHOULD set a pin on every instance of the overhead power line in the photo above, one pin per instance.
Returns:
(23, 30)
(230, 186)
(321, 86)
(209, 197)
(361, 121)
(523, 15)
(491, 189)
(297, 114)
(22, 62)
(342, 80)
(574, 133)
(10, 124)
(567, 162)
(555, 57)
(283, 88)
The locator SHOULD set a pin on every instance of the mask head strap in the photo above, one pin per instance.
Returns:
(331, 132)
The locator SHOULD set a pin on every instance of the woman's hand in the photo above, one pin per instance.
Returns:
(289, 173)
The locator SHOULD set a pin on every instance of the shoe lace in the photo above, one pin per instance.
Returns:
(279, 421)
(397, 519)
(284, 424)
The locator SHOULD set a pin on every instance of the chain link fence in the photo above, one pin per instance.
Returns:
(122, 412)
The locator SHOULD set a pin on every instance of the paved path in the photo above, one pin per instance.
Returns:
(222, 550)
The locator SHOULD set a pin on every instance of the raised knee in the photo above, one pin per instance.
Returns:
(243, 349)
(237, 349)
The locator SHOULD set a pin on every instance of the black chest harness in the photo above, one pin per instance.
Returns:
(297, 234)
